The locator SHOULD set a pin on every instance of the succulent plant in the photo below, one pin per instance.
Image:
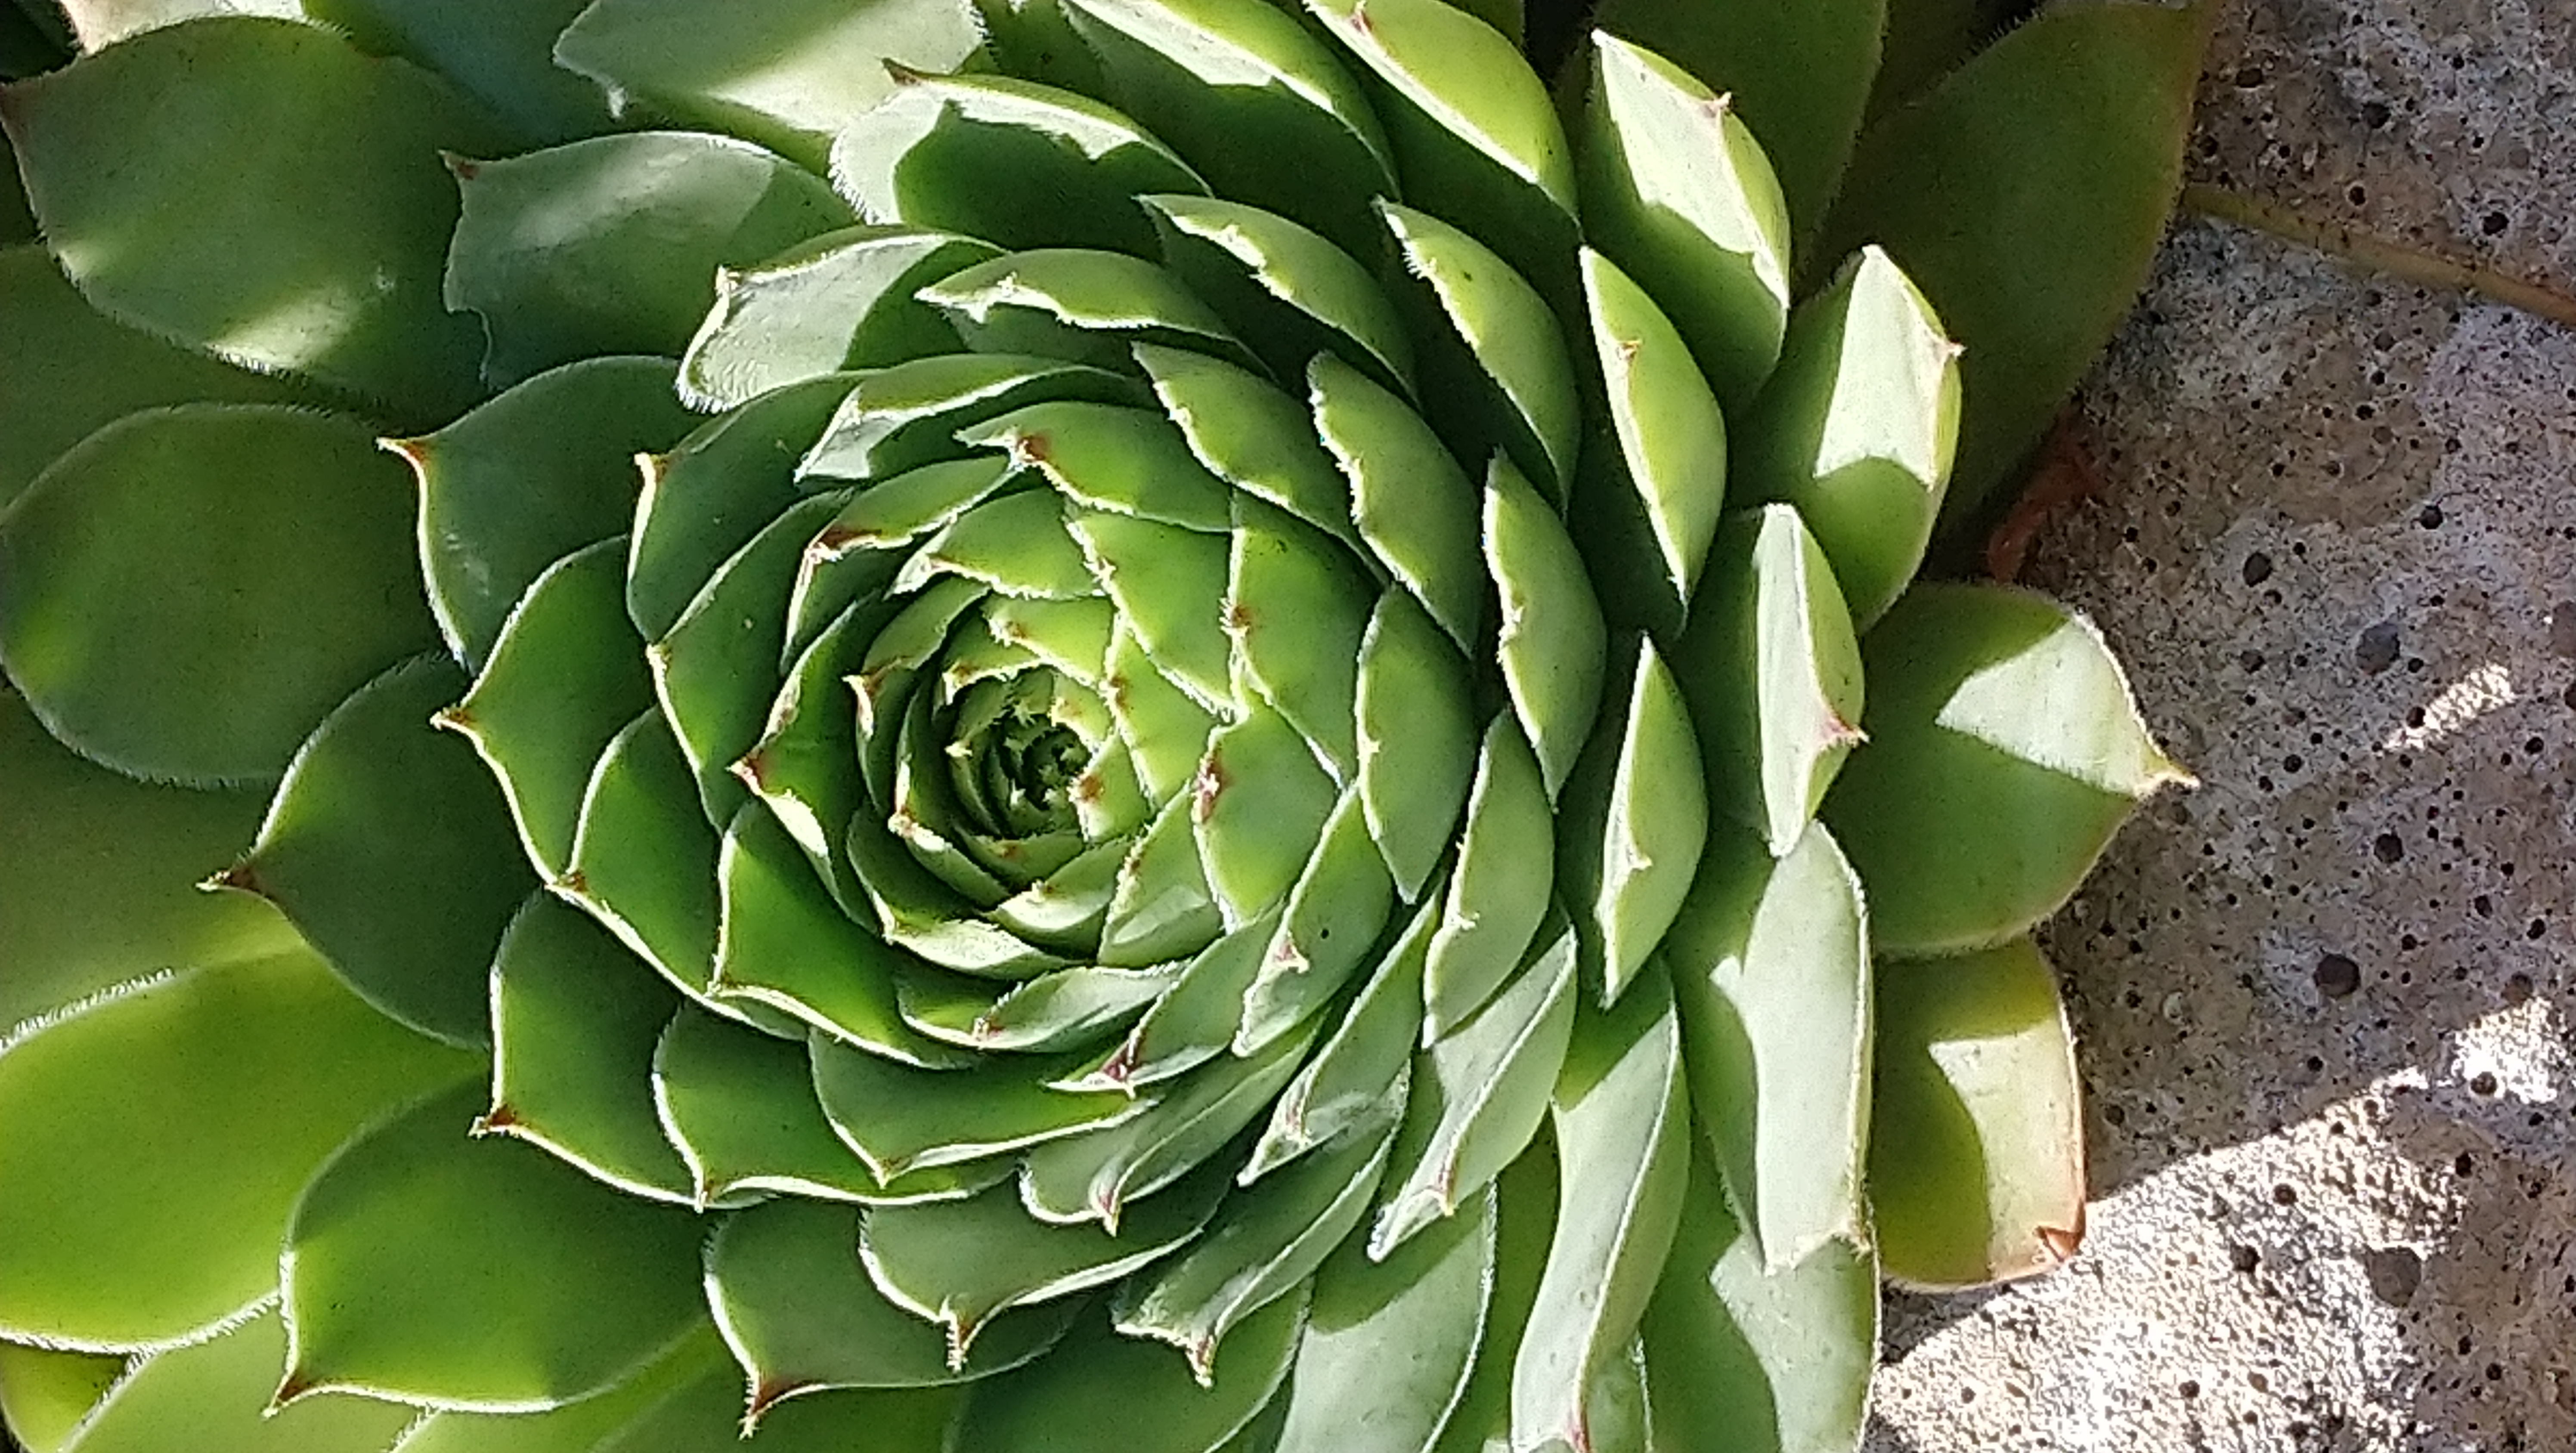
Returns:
(1125, 724)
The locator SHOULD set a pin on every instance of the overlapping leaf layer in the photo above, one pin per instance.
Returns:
(1167, 725)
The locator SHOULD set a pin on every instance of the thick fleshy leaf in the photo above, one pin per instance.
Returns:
(1780, 1358)
(1680, 196)
(783, 942)
(476, 1273)
(1636, 823)
(644, 859)
(1417, 731)
(716, 670)
(563, 680)
(907, 416)
(522, 481)
(1053, 1012)
(66, 371)
(2004, 752)
(1623, 1151)
(1258, 805)
(707, 1414)
(1798, 71)
(2033, 250)
(274, 543)
(575, 1020)
(611, 244)
(1475, 137)
(1298, 610)
(1499, 888)
(317, 254)
(899, 1118)
(1524, 1208)
(1106, 1393)
(1773, 675)
(1771, 962)
(1335, 916)
(840, 301)
(149, 1168)
(1553, 641)
(500, 52)
(1272, 1239)
(740, 1105)
(709, 496)
(214, 1397)
(786, 73)
(44, 1395)
(1130, 461)
(1388, 1344)
(1100, 1176)
(1348, 1077)
(1196, 1021)
(963, 1262)
(103, 894)
(1479, 1095)
(1013, 162)
(388, 851)
(576, 1427)
(798, 1310)
(1502, 379)
(1083, 305)
(1976, 1146)
(1857, 428)
(1235, 86)
(1287, 292)
(1672, 444)
(1251, 434)
(1411, 502)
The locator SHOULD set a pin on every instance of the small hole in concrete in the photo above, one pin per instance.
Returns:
(2394, 1273)
(2337, 976)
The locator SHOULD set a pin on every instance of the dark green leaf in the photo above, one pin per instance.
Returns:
(215, 1396)
(500, 52)
(1104, 1393)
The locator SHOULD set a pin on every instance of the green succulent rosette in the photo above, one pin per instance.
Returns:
(1164, 725)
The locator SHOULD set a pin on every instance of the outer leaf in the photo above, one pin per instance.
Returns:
(1104, 1393)
(575, 1022)
(1417, 735)
(45, 1395)
(387, 851)
(526, 479)
(899, 1118)
(1774, 675)
(1411, 502)
(1799, 72)
(103, 894)
(1013, 162)
(1499, 889)
(1083, 305)
(839, 301)
(316, 253)
(2026, 195)
(1781, 1359)
(576, 1427)
(1234, 87)
(66, 371)
(274, 543)
(215, 1397)
(1771, 962)
(1504, 379)
(1368, 1052)
(1251, 434)
(1976, 1165)
(1553, 641)
(1623, 1146)
(708, 1414)
(149, 1171)
(1681, 197)
(1857, 429)
(1475, 138)
(788, 74)
(96, 24)
(1389, 1344)
(609, 245)
(1271, 1240)
(1286, 290)
(477, 1274)
(2004, 752)
(1479, 1095)
(1672, 446)
(961, 1263)
(1638, 822)
(801, 1315)
(712, 494)
(500, 52)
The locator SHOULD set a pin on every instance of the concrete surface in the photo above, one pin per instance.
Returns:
(2325, 1000)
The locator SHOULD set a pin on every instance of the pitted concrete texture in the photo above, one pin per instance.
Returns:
(2325, 1000)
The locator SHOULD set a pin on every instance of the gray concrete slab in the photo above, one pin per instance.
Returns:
(2325, 1000)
